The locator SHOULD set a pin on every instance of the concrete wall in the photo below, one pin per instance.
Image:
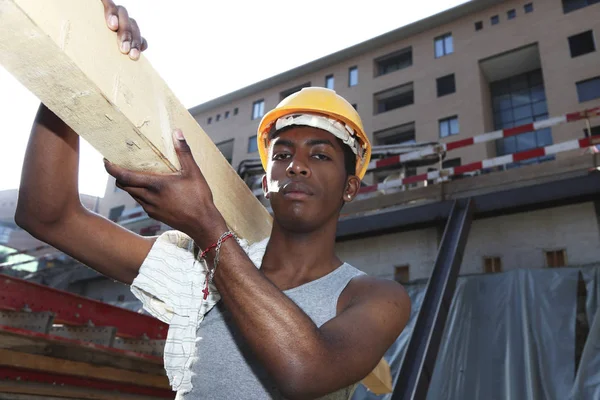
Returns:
(519, 239)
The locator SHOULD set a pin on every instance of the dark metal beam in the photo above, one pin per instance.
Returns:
(418, 364)
(551, 194)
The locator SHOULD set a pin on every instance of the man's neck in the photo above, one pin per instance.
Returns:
(292, 259)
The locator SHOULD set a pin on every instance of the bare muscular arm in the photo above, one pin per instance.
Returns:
(49, 206)
(308, 361)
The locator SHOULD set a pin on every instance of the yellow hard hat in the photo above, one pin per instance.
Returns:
(320, 102)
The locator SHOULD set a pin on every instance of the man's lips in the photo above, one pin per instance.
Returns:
(296, 191)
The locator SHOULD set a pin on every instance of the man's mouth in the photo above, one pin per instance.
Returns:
(296, 191)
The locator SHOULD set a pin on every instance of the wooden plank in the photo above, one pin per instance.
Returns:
(77, 351)
(17, 359)
(35, 391)
(151, 347)
(380, 380)
(121, 107)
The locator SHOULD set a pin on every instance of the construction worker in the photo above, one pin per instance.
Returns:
(303, 324)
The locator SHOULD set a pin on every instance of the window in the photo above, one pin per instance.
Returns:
(353, 76)
(446, 85)
(511, 14)
(329, 82)
(451, 163)
(209, 121)
(595, 136)
(226, 148)
(443, 45)
(252, 144)
(393, 62)
(528, 8)
(556, 258)
(478, 25)
(218, 117)
(588, 89)
(595, 131)
(293, 90)
(258, 109)
(519, 100)
(226, 114)
(401, 134)
(402, 273)
(572, 5)
(495, 20)
(582, 43)
(115, 213)
(448, 126)
(391, 99)
(492, 265)
(235, 111)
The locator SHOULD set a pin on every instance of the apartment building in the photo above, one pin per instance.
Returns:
(482, 66)
(479, 67)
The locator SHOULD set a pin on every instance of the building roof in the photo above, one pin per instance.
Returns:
(379, 41)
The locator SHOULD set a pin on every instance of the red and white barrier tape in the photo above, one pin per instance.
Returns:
(489, 163)
(486, 137)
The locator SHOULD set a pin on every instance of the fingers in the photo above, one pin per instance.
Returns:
(141, 195)
(124, 34)
(127, 178)
(110, 13)
(184, 153)
(144, 44)
(129, 37)
(136, 40)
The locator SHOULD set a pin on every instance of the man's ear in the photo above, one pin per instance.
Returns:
(265, 188)
(352, 188)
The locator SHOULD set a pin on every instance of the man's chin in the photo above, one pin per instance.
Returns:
(297, 223)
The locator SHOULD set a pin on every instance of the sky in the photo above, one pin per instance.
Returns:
(207, 49)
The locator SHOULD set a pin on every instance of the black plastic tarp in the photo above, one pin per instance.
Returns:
(512, 336)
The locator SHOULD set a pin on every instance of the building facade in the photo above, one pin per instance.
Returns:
(479, 67)
(482, 66)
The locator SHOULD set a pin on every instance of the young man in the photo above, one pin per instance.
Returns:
(293, 320)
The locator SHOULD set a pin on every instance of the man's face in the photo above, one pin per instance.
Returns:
(306, 178)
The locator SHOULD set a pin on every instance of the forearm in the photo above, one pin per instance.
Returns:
(285, 340)
(50, 171)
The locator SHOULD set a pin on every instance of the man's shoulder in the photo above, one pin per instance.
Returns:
(364, 288)
(366, 285)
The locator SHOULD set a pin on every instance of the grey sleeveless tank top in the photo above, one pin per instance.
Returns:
(221, 351)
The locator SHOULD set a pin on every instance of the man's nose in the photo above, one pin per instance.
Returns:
(298, 167)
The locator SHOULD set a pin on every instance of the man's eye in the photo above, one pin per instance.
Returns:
(280, 156)
(321, 157)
